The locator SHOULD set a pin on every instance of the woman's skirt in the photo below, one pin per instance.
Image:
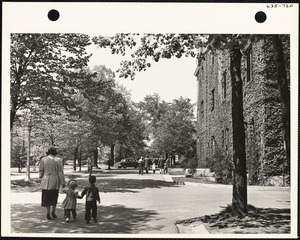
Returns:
(49, 197)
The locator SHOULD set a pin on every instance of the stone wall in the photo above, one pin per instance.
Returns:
(274, 156)
(214, 121)
(262, 109)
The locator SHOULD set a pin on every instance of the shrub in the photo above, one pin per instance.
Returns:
(222, 165)
(18, 155)
(191, 163)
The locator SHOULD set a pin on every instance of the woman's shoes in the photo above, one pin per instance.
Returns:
(54, 215)
(49, 217)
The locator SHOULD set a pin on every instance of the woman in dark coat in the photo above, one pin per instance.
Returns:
(51, 172)
(161, 164)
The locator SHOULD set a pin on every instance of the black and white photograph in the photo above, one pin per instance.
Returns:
(140, 133)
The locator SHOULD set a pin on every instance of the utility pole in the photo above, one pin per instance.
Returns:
(29, 126)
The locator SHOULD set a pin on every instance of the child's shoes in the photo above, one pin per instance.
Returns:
(95, 220)
(87, 222)
(67, 220)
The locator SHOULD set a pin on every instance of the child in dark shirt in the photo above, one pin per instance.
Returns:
(92, 196)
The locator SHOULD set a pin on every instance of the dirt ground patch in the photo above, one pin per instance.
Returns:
(256, 221)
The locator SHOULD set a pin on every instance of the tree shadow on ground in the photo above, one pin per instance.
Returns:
(132, 185)
(117, 219)
(25, 186)
(120, 185)
(121, 171)
(257, 220)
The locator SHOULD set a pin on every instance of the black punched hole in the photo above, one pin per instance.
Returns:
(260, 17)
(53, 15)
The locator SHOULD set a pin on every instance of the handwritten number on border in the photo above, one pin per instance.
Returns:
(279, 5)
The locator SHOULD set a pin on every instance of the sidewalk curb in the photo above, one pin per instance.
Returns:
(191, 184)
(167, 178)
(184, 229)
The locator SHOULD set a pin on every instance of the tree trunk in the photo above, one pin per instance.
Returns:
(173, 160)
(75, 157)
(20, 165)
(13, 112)
(14, 99)
(239, 200)
(79, 158)
(283, 87)
(112, 155)
(120, 152)
(52, 140)
(96, 158)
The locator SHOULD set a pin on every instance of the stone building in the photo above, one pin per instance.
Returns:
(262, 108)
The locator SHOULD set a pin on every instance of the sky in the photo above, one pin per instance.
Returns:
(170, 78)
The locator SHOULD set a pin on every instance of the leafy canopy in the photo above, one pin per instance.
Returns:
(47, 69)
(149, 46)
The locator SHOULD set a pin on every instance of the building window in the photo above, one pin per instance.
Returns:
(224, 84)
(251, 126)
(201, 109)
(212, 99)
(249, 65)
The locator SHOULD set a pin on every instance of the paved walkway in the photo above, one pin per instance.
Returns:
(135, 204)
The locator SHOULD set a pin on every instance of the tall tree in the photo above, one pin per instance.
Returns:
(46, 69)
(239, 199)
(97, 109)
(134, 128)
(176, 131)
(153, 108)
(108, 110)
(136, 133)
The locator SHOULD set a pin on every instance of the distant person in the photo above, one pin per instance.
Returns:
(147, 164)
(92, 197)
(37, 163)
(153, 167)
(166, 166)
(70, 202)
(52, 175)
(90, 165)
(141, 166)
